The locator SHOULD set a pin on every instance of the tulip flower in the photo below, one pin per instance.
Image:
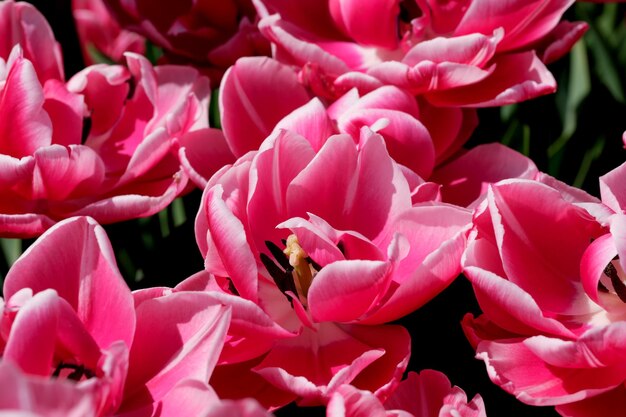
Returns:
(104, 144)
(546, 264)
(248, 118)
(70, 317)
(427, 394)
(260, 96)
(464, 53)
(41, 397)
(101, 37)
(328, 243)
(207, 34)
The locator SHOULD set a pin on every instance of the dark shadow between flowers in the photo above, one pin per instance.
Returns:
(439, 343)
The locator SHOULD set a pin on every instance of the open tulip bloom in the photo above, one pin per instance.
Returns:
(455, 53)
(75, 337)
(327, 152)
(330, 245)
(552, 332)
(104, 144)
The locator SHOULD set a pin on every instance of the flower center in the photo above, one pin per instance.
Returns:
(611, 280)
(303, 271)
(409, 10)
(72, 371)
(292, 269)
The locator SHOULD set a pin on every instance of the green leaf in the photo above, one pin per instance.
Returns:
(163, 224)
(97, 56)
(576, 90)
(605, 23)
(591, 155)
(525, 140)
(12, 249)
(125, 264)
(179, 216)
(506, 112)
(511, 130)
(139, 275)
(604, 65)
(214, 110)
(153, 52)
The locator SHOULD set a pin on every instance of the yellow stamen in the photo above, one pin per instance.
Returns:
(303, 276)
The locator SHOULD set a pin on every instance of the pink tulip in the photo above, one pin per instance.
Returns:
(427, 394)
(48, 175)
(260, 96)
(123, 163)
(87, 328)
(207, 34)
(195, 398)
(545, 261)
(248, 117)
(251, 333)
(77, 328)
(101, 36)
(21, 23)
(329, 245)
(147, 138)
(466, 177)
(37, 396)
(463, 53)
(184, 347)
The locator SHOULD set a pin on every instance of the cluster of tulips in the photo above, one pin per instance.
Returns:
(338, 197)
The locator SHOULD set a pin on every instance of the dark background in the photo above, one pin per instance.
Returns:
(161, 250)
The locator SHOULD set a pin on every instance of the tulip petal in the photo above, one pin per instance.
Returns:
(256, 93)
(518, 371)
(314, 241)
(248, 384)
(251, 332)
(383, 376)
(309, 121)
(355, 18)
(611, 190)
(408, 142)
(203, 153)
(343, 291)
(523, 21)
(516, 77)
(24, 225)
(66, 111)
(93, 287)
(24, 124)
(473, 49)
(593, 263)
(337, 358)
(186, 344)
(61, 172)
(132, 202)
(34, 396)
(23, 24)
(271, 177)
(607, 404)
(508, 306)
(598, 347)
(533, 221)
(229, 238)
(467, 178)
(31, 342)
(561, 40)
(352, 402)
(435, 236)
